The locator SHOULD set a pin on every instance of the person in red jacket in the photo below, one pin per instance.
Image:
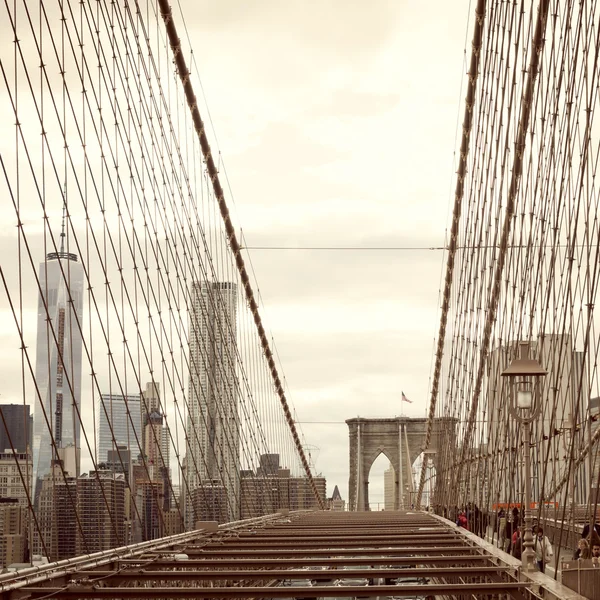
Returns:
(462, 521)
(517, 543)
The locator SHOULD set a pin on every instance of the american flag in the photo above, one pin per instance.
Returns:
(405, 399)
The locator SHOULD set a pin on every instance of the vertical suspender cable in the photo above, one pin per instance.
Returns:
(458, 197)
(538, 45)
(184, 75)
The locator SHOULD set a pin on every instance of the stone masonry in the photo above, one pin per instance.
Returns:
(371, 437)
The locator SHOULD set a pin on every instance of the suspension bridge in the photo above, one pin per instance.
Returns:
(150, 448)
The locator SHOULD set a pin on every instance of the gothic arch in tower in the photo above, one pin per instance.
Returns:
(401, 440)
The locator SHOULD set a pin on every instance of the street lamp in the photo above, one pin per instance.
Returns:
(524, 374)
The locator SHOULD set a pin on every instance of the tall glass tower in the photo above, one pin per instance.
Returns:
(213, 423)
(119, 417)
(58, 365)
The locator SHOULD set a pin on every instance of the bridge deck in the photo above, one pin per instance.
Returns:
(304, 555)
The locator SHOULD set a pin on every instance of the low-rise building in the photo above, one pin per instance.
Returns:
(209, 502)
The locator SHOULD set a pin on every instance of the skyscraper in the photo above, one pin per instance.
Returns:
(133, 439)
(155, 432)
(101, 510)
(58, 362)
(15, 428)
(119, 417)
(213, 424)
(57, 503)
(136, 422)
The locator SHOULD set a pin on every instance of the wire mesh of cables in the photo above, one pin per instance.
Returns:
(130, 328)
(524, 268)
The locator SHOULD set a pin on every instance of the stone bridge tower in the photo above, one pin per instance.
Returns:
(401, 440)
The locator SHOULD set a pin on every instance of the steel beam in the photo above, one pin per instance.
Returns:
(458, 560)
(375, 543)
(328, 536)
(380, 547)
(401, 551)
(255, 575)
(447, 589)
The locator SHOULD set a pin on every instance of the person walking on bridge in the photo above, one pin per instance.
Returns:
(509, 528)
(586, 530)
(583, 550)
(543, 549)
(517, 543)
(502, 528)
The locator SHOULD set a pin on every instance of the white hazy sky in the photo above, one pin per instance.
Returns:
(337, 124)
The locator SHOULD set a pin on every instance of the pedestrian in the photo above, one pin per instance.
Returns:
(586, 529)
(543, 549)
(596, 551)
(583, 550)
(517, 543)
(516, 534)
(516, 520)
(502, 528)
(477, 517)
(485, 521)
(510, 529)
(462, 521)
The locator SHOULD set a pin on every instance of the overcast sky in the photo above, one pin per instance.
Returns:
(337, 124)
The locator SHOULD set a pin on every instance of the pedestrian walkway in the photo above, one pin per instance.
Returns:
(545, 583)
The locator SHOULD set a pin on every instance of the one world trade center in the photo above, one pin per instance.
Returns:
(56, 433)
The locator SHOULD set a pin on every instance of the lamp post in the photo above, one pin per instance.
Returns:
(524, 374)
